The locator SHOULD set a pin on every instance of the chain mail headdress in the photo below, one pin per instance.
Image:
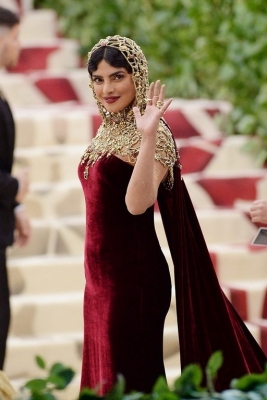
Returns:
(135, 58)
(118, 134)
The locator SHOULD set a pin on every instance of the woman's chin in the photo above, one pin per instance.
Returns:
(113, 108)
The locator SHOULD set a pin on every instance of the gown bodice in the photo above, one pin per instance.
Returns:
(110, 228)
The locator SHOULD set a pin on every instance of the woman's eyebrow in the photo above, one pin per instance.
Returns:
(110, 76)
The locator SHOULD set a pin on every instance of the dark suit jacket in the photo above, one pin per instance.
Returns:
(8, 184)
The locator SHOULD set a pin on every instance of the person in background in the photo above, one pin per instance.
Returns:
(258, 211)
(14, 223)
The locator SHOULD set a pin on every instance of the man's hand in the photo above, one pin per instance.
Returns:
(22, 227)
(258, 211)
(23, 178)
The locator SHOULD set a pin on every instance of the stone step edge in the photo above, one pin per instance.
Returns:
(26, 341)
(30, 261)
(50, 298)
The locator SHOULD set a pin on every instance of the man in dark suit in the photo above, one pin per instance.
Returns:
(14, 223)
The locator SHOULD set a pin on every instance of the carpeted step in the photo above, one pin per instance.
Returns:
(233, 262)
(38, 25)
(46, 274)
(51, 237)
(222, 226)
(56, 200)
(225, 189)
(47, 165)
(54, 54)
(54, 87)
(259, 326)
(53, 313)
(18, 6)
(248, 297)
(21, 353)
(231, 156)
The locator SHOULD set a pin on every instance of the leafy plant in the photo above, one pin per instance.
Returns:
(186, 386)
(58, 378)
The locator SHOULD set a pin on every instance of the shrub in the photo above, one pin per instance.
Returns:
(187, 386)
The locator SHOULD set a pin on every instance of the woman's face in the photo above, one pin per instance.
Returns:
(113, 86)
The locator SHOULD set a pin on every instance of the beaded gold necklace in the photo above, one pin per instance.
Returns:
(117, 135)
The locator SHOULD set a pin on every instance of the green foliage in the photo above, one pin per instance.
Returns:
(214, 364)
(58, 378)
(214, 49)
(187, 386)
(189, 381)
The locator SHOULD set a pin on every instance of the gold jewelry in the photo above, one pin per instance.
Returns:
(136, 58)
(159, 104)
(123, 140)
(118, 134)
(148, 100)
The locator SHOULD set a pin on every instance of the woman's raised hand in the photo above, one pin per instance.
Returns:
(148, 123)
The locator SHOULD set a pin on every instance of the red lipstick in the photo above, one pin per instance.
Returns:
(111, 99)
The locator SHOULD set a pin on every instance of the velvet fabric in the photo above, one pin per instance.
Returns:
(207, 321)
(128, 286)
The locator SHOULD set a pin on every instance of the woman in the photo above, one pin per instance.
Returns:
(130, 164)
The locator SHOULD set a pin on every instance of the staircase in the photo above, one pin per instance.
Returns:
(55, 118)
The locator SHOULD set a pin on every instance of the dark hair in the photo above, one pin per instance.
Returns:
(111, 55)
(8, 18)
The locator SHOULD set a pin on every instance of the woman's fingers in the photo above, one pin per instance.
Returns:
(162, 93)
(150, 93)
(156, 96)
(165, 106)
(156, 92)
(136, 112)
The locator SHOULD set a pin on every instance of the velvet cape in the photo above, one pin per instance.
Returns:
(207, 321)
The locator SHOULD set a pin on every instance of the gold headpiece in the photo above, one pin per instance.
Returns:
(135, 57)
(118, 134)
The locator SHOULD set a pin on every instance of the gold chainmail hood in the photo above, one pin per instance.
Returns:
(118, 134)
(135, 57)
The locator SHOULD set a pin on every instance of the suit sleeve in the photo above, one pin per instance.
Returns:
(8, 184)
(8, 189)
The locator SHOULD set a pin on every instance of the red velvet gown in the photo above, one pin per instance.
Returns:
(128, 287)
